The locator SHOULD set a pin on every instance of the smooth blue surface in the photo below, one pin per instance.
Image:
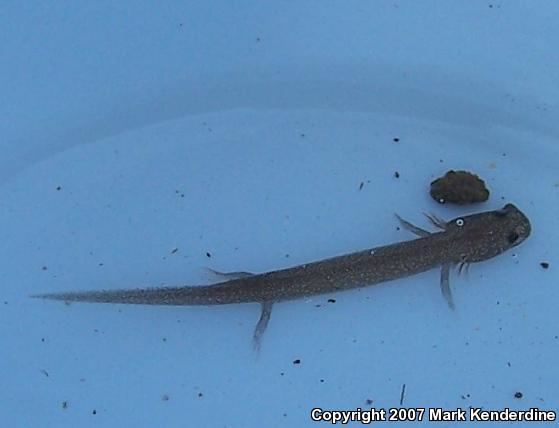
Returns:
(244, 131)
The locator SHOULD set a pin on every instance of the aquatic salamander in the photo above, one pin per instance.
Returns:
(461, 241)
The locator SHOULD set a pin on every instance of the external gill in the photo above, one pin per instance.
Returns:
(445, 268)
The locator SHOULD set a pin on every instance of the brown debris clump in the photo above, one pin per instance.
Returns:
(459, 187)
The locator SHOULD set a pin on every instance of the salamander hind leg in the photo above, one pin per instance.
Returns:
(266, 311)
(445, 285)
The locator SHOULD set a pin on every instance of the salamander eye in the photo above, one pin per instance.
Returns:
(513, 237)
(459, 222)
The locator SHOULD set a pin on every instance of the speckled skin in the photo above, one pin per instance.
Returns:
(469, 239)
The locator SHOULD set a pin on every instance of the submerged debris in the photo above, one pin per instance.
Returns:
(459, 187)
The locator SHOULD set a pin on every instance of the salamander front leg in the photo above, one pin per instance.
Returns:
(412, 227)
(445, 285)
(266, 311)
(463, 266)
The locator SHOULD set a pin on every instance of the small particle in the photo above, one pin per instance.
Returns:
(64, 405)
(318, 305)
(208, 255)
(43, 371)
(508, 363)
(44, 268)
(396, 174)
(331, 300)
(287, 256)
(303, 135)
(200, 395)
(544, 265)
(164, 339)
(164, 397)
(361, 185)
(518, 395)
(42, 339)
(368, 401)
(94, 412)
(282, 374)
(59, 188)
(396, 140)
(258, 39)
(174, 250)
(297, 361)
(101, 264)
(321, 380)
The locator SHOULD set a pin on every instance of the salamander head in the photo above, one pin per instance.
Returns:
(485, 235)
